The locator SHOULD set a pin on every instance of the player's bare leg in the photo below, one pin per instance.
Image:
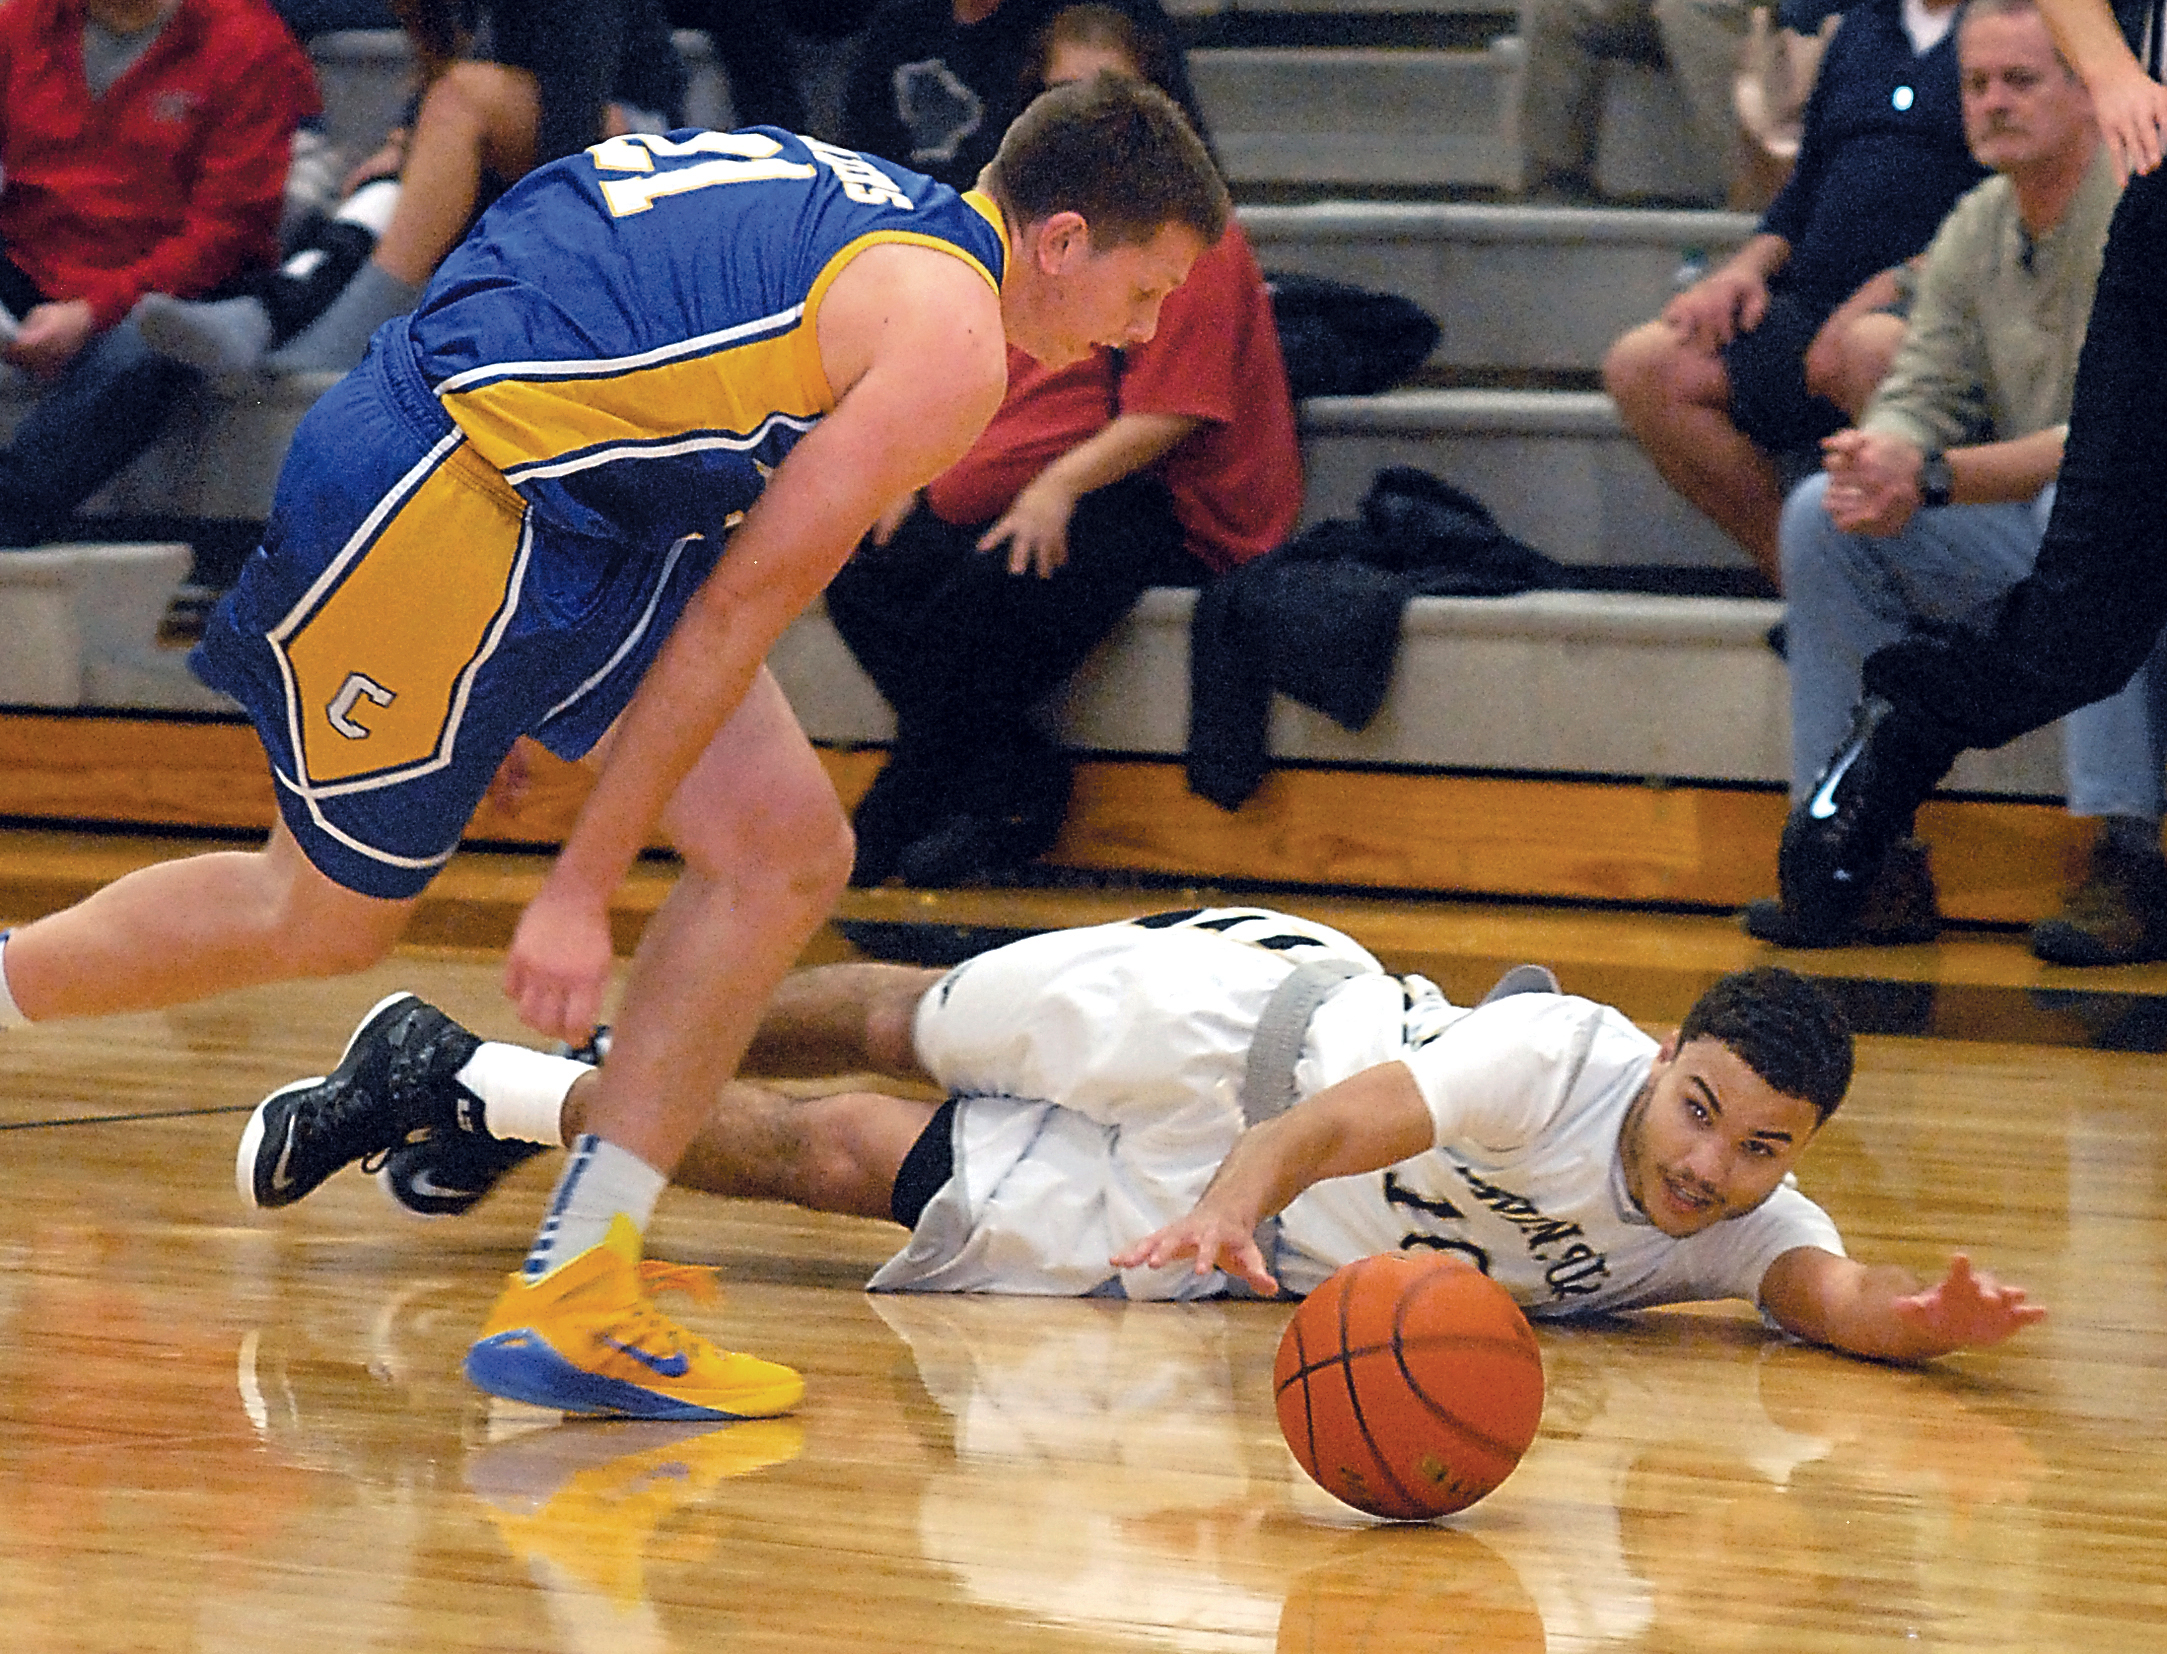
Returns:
(843, 1019)
(477, 117)
(185, 930)
(1675, 399)
(838, 1153)
(767, 854)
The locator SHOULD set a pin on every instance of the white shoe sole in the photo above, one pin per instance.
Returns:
(244, 1159)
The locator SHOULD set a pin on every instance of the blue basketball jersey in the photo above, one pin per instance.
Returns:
(628, 336)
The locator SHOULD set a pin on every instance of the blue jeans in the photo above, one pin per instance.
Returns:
(1847, 595)
(106, 408)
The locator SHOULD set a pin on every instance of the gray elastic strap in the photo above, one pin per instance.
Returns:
(1523, 979)
(1268, 1077)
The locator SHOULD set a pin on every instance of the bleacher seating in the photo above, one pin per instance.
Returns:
(1591, 685)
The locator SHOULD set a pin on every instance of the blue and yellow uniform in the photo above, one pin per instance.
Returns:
(489, 527)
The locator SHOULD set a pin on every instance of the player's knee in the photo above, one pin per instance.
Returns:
(810, 851)
(794, 840)
(1635, 366)
(315, 928)
(312, 945)
(840, 1165)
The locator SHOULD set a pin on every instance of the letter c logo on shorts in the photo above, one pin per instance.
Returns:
(357, 688)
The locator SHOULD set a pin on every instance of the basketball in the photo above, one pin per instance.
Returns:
(1408, 1387)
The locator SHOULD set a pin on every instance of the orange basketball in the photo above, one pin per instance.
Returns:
(1408, 1386)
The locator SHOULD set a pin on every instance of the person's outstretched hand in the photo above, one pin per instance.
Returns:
(1216, 1240)
(1967, 1309)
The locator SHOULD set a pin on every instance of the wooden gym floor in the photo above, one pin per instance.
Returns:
(229, 1432)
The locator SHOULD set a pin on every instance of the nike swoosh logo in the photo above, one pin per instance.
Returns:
(280, 1178)
(424, 1182)
(1823, 803)
(662, 1366)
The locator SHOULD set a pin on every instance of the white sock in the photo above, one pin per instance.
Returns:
(336, 341)
(599, 1181)
(370, 206)
(11, 1014)
(522, 1091)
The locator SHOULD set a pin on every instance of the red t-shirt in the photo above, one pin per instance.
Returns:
(1236, 480)
(169, 183)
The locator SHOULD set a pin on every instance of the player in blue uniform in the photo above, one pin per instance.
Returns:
(635, 424)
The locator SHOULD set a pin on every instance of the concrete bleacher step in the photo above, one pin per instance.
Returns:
(1383, 117)
(1513, 288)
(81, 623)
(1557, 468)
(1561, 683)
(1354, 117)
(1357, 117)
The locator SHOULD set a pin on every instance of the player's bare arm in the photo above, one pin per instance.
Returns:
(1886, 1313)
(911, 341)
(1369, 1121)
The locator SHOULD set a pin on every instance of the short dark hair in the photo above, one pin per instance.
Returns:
(1115, 151)
(1784, 1027)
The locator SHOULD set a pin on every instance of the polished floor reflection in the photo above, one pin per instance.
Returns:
(225, 1432)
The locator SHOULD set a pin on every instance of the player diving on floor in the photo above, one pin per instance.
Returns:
(1219, 1101)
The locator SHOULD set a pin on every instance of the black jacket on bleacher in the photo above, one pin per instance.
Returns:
(1319, 618)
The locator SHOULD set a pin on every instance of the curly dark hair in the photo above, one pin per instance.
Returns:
(1784, 1027)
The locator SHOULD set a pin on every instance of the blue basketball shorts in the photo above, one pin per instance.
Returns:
(408, 617)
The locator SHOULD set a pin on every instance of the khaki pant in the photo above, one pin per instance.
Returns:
(1568, 41)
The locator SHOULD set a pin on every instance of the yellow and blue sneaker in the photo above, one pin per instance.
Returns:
(586, 1338)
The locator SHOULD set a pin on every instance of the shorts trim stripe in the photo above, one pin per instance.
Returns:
(335, 570)
(331, 830)
(632, 638)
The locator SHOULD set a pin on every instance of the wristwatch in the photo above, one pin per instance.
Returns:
(1936, 480)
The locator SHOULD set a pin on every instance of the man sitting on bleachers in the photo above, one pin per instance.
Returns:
(1933, 507)
(144, 146)
(1746, 365)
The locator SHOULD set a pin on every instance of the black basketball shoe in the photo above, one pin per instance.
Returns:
(1836, 841)
(447, 1172)
(396, 1079)
(442, 1174)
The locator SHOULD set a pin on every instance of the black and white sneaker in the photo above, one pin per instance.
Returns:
(395, 1079)
(445, 1173)
(1836, 840)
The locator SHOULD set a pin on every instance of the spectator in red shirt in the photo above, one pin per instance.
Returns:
(1164, 464)
(143, 148)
